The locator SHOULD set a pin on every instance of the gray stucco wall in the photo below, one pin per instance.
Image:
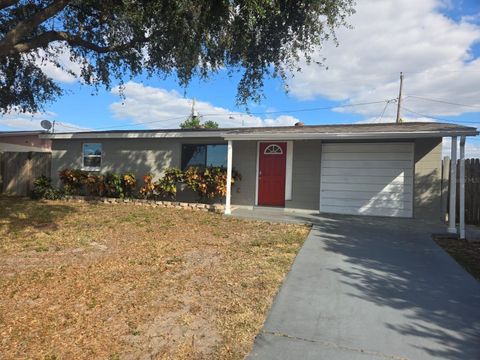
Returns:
(245, 162)
(428, 179)
(142, 156)
(306, 175)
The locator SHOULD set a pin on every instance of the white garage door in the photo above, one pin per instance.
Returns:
(367, 179)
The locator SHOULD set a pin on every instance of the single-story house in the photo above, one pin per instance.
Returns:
(365, 169)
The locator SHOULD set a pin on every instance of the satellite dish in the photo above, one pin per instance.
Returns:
(47, 125)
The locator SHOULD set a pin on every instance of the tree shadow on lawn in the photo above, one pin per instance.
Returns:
(439, 301)
(17, 213)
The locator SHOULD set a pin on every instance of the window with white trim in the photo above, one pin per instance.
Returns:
(273, 149)
(92, 156)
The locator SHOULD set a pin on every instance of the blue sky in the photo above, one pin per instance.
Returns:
(436, 43)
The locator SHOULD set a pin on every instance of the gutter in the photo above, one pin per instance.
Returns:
(152, 135)
(351, 136)
(21, 133)
(267, 136)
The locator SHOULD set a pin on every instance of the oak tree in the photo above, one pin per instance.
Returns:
(113, 40)
(194, 122)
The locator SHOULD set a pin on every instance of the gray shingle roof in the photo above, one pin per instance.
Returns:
(358, 128)
(364, 131)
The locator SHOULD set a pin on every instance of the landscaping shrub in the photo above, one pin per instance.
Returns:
(113, 185)
(77, 182)
(147, 191)
(43, 189)
(95, 185)
(208, 182)
(129, 183)
(166, 187)
(72, 180)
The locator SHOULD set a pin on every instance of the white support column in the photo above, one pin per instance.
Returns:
(462, 187)
(453, 188)
(229, 178)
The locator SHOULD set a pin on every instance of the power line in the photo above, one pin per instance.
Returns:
(69, 126)
(387, 102)
(440, 119)
(140, 124)
(301, 110)
(444, 101)
(427, 116)
(383, 111)
(250, 113)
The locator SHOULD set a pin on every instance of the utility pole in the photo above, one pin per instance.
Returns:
(194, 113)
(399, 102)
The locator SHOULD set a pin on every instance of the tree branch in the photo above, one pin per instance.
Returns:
(6, 3)
(26, 27)
(46, 38)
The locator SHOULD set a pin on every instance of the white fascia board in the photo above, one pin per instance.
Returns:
(260, 136)
(150, 135)
(356, 136)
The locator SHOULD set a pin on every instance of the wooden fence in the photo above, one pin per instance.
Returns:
(19, 169)
(472, 189)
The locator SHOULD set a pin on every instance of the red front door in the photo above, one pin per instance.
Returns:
(271, 173)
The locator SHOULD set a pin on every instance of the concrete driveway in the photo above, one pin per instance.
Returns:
(371, 288)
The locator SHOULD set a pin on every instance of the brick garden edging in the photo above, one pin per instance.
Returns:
(216, 208)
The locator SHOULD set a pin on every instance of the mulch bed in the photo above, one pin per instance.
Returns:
(466, 253)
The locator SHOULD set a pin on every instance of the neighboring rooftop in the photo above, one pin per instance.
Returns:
(22, 132)
(384, 130)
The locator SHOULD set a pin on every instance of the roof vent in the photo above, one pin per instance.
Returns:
(300, 123)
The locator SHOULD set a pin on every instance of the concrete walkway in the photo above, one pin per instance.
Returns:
(373, 288)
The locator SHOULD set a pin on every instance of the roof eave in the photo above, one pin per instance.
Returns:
(21, 133)
(132, 135)
(281, 135)
(351, 136)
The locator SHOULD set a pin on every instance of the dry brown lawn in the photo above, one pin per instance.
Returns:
(95, 281)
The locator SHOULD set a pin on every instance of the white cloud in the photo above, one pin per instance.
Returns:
(412, 36)
(60, 73)
(381, 120)
(31, 121)
(471, 18)
(160, 108)
(472, 145)
(282, 120)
